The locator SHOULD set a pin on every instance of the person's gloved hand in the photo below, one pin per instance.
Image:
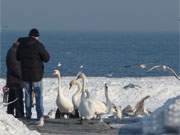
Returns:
(5, 94)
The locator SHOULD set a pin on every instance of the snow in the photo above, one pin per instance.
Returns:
(165, 117)
(9, 125)
(12, 126)
(160, 89)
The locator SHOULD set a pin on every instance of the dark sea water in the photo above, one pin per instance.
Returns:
(104, 53)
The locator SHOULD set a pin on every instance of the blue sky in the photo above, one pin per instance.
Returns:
(91, 15)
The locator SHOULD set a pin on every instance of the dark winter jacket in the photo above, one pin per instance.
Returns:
(13, 68)
(31, 53)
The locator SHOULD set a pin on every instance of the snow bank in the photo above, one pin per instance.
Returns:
(165, 118)
(12, 126)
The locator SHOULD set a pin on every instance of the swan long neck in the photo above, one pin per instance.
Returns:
(59, 84)
(106, 94)
(79, 89)
(83, 84)
(83, 96)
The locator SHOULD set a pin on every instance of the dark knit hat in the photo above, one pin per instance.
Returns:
(34, 32)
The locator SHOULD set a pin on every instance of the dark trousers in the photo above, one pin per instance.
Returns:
(16, 108)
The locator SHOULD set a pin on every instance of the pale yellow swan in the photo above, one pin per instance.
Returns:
(76, 98)
(64, 104)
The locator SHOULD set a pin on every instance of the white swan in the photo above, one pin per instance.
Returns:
(112, 108)
(100, 107)
(64, 104)
(77, 95)
(84, 105)
(108, 102)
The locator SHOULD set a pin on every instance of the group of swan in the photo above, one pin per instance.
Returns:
(84, 105)
(82, 101)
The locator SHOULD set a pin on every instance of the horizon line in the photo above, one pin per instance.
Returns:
(110, 31)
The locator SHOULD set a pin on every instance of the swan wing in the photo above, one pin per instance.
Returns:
(99, 106)
(86, 108)
(64, 103)
(76, 99)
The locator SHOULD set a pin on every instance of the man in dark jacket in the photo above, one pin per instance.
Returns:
(31, 53)
(14, 83)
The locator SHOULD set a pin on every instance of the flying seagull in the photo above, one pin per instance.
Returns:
(140, 65)
(164, 68)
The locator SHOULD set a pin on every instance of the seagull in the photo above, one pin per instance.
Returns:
(140, 65)
(81, 70)
(131, 85)
(81, 67)
(143, 66)
(109, 75)
(59, 64)
(164, 68)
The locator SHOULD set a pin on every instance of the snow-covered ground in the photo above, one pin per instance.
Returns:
(160, 90)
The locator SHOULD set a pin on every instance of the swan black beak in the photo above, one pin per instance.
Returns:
(106, 86)
(77, 77)
(70, 86)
